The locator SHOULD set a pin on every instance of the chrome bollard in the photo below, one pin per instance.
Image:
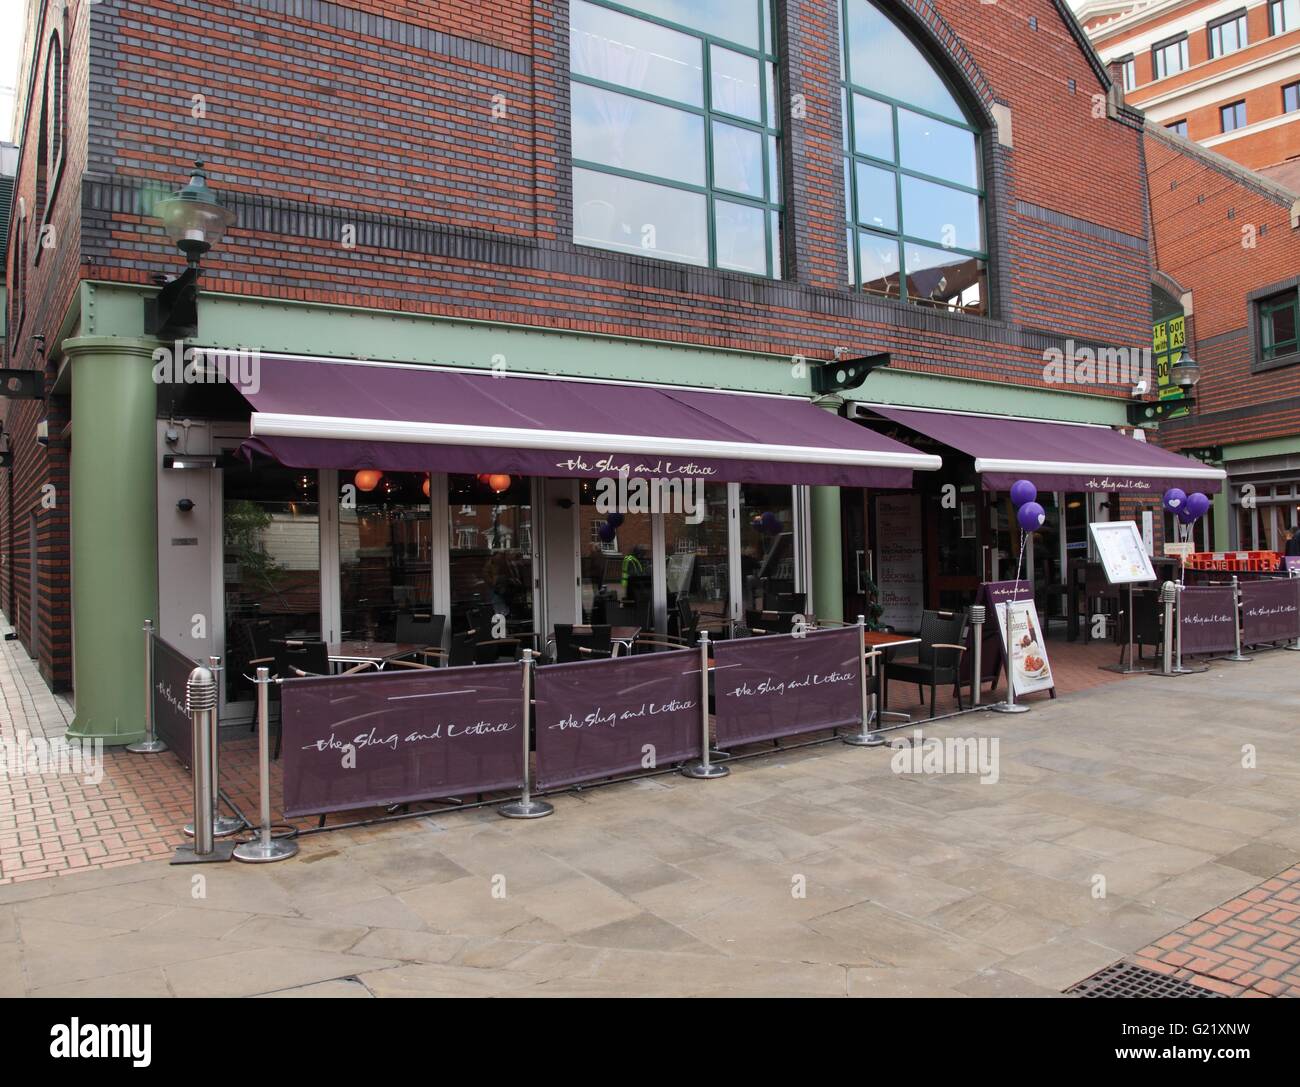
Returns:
(704, 768)
(150, 745)
(1237, 654)
(866, 738)
(977, 616)
(1168, 593)
(223, 826)
(265, 848)
(201, 704)
(526, 807)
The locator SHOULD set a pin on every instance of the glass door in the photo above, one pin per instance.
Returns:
(696, 550)
(490, 553)
(270, 565)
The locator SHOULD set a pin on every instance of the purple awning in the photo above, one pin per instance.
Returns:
(1056, 456)
(317, 413)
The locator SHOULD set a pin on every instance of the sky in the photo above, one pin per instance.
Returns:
(11, 33)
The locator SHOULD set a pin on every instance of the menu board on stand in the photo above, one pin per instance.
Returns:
(1124, 559)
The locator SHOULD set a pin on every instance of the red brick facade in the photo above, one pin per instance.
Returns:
(1222, 233)
(439, 132)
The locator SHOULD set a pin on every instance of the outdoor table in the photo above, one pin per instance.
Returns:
(376, 653)
(884, 640)
(620, 636)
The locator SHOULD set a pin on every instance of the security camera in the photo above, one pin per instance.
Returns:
(1141, 389)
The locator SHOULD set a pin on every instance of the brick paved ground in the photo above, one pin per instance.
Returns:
(1249, 946)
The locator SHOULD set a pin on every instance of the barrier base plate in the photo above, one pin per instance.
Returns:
(1009, 707)
(525, 809)
(260, 852)
(871, 739)
(221, 852)
(147, 747)
(700, 770)
(223, 826)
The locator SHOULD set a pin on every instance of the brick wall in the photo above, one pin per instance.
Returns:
(1221, 235)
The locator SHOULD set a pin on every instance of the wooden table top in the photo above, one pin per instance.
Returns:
(879, 639)
(617, 634)
(370, 651)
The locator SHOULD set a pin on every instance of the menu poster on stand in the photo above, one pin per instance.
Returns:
(1030, 669)
(900, 576)
(1122, 552)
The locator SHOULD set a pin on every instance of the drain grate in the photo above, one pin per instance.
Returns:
(1127, 979)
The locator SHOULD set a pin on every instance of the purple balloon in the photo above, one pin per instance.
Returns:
(1174, 499)
(1198, 504)
(1186, 516)
(1022, 491)
(606, 532)
(1031, 516)
(614, 518)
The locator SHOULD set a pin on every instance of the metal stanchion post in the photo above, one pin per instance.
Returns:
(704, 768)
(201, 703)
(977, 616)
(1237, 654)
(526, 807)
(265, 848)
(866, 737)
(1010, 705)
(150, 745)
(223, 826)
(1167, 594)
(1294, 575)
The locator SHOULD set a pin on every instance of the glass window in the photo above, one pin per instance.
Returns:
(490, 525)
(1169, 57)
(1227, 35)
(1284, 15)
(912, 169)
(385, 557)
(1130, 73)
(1178, 126)
(651, 149)
(1278, 323)
(767, 546)
(944, 279)
(616, 212)
(1291, 98)
(270, 563)
(1232, 116)
(698, 561)
(617, 564)
(639, 136)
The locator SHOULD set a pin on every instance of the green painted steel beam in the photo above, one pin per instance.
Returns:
(114, 532)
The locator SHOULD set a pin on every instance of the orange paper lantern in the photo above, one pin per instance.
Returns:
(425, 488)
(368, 479)
(499, 483)
(483, 478)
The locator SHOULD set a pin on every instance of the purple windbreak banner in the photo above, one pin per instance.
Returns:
(595, 718)
(1208, 619)
(781, 685)
(392, 737)
(171, 721)
(1270, 610)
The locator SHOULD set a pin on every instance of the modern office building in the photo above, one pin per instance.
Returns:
(475, 267)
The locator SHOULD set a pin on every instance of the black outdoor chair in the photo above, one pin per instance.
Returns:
(769, 622)
(571, 647)
(690, 622)
(938, 657)
(260, 648)
(795, 602)
(422, 629)
(295, 658)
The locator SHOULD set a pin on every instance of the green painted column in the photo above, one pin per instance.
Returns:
(827, 541)
(114, 531)
(1222, 517)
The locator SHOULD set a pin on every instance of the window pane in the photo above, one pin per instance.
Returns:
(699, 558)
(737, 159)
(767, 546)
(873, 128)
(940, 214)
(932, 147)
(877, 197)
(774, 229)
(617, 565)
(883, 58)
(879, 264)
(491, 557)
(1280, 330)
(726, 19)
(619, 49)
(734, 78)
(948, 280)
(741, 237)
(774, 170)
(637, 217)
(632, 134)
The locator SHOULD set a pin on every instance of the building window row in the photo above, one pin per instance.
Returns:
(1228, 34)
(1232, 116)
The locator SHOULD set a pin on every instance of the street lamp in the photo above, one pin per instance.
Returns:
(1185, 373)
(195, 221)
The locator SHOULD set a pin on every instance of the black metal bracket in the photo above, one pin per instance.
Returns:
(173, 313)
(1153, 411)
(840, 375)
(22, 384)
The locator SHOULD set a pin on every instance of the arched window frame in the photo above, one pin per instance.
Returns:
(855, 228)
(53, 134)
